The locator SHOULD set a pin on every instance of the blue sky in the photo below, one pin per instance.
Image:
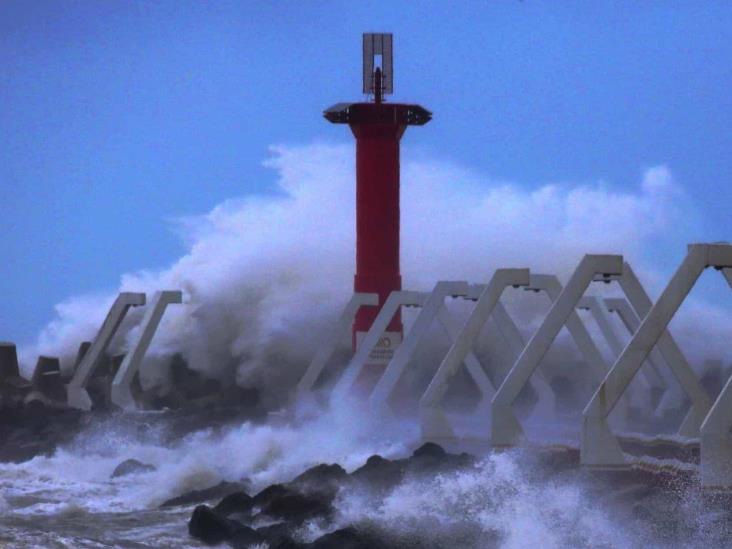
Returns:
(116, 117)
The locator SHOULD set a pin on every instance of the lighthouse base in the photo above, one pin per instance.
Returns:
(378, 360)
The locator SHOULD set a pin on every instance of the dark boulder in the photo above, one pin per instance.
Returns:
(431, 458)
(271, 492)
(198, 496)
(288, 543)
(321, 474)
(26, 433)
(131, 466)
(279, 535)
(431, 450)
(297, 508)
(378, 472)
(322, 479)
(210, 527)
(238, 502)
(244, 537)
(348, 538)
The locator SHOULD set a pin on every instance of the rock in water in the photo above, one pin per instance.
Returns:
(245, 537)
(347, 538)
(321, 473)
(222, 489)
(430, 449)
(238, 502)
(379, 473)
(279, 536)
(131, 466)
(271, 492)
(297, 508)
(210, 527)
(280, 510)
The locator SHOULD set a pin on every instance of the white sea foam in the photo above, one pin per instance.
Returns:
(494, 501)
(500, 502)
(79, 475)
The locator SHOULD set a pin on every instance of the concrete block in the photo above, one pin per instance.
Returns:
(77, 395)
(47, 378)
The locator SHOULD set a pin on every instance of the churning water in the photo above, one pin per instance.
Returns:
(70, 499)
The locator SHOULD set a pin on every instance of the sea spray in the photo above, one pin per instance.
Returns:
(265, 276)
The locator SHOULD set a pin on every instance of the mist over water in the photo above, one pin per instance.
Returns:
(263, 279)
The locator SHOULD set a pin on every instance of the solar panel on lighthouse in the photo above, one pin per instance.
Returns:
(378, 44)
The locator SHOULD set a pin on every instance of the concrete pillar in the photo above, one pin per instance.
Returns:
(121, 385)
(84, 347)
(431, 308)
(303, 392)
(716, 441)
(671, 353)
(599, 446)
(545, 405)
(638, 402)
(77, 395)
(665, 393)
(388, 311)
(505, 427)
(434, 422)
(552, 288)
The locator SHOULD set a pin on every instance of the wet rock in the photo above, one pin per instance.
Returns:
(209, 527)
(322, 479)
(321, 473)
(248, 397)
(348, 538)
(27, 432)
(297, 508)
(132, 466)
(197, 496)
(379, 473)
(279, 536)
(288, 543)
(190, 383)
(238, 502)
(430, 450)
(245, 537)
(431, 458)
(311, 496)
(271, 492)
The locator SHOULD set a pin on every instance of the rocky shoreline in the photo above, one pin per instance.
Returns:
(277, 516)
(274, 515)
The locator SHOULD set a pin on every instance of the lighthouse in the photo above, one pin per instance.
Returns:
(378, 127)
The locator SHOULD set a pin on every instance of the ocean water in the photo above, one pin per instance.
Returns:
(69, 499)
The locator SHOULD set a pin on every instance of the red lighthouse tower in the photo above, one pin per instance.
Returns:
(378, 127)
